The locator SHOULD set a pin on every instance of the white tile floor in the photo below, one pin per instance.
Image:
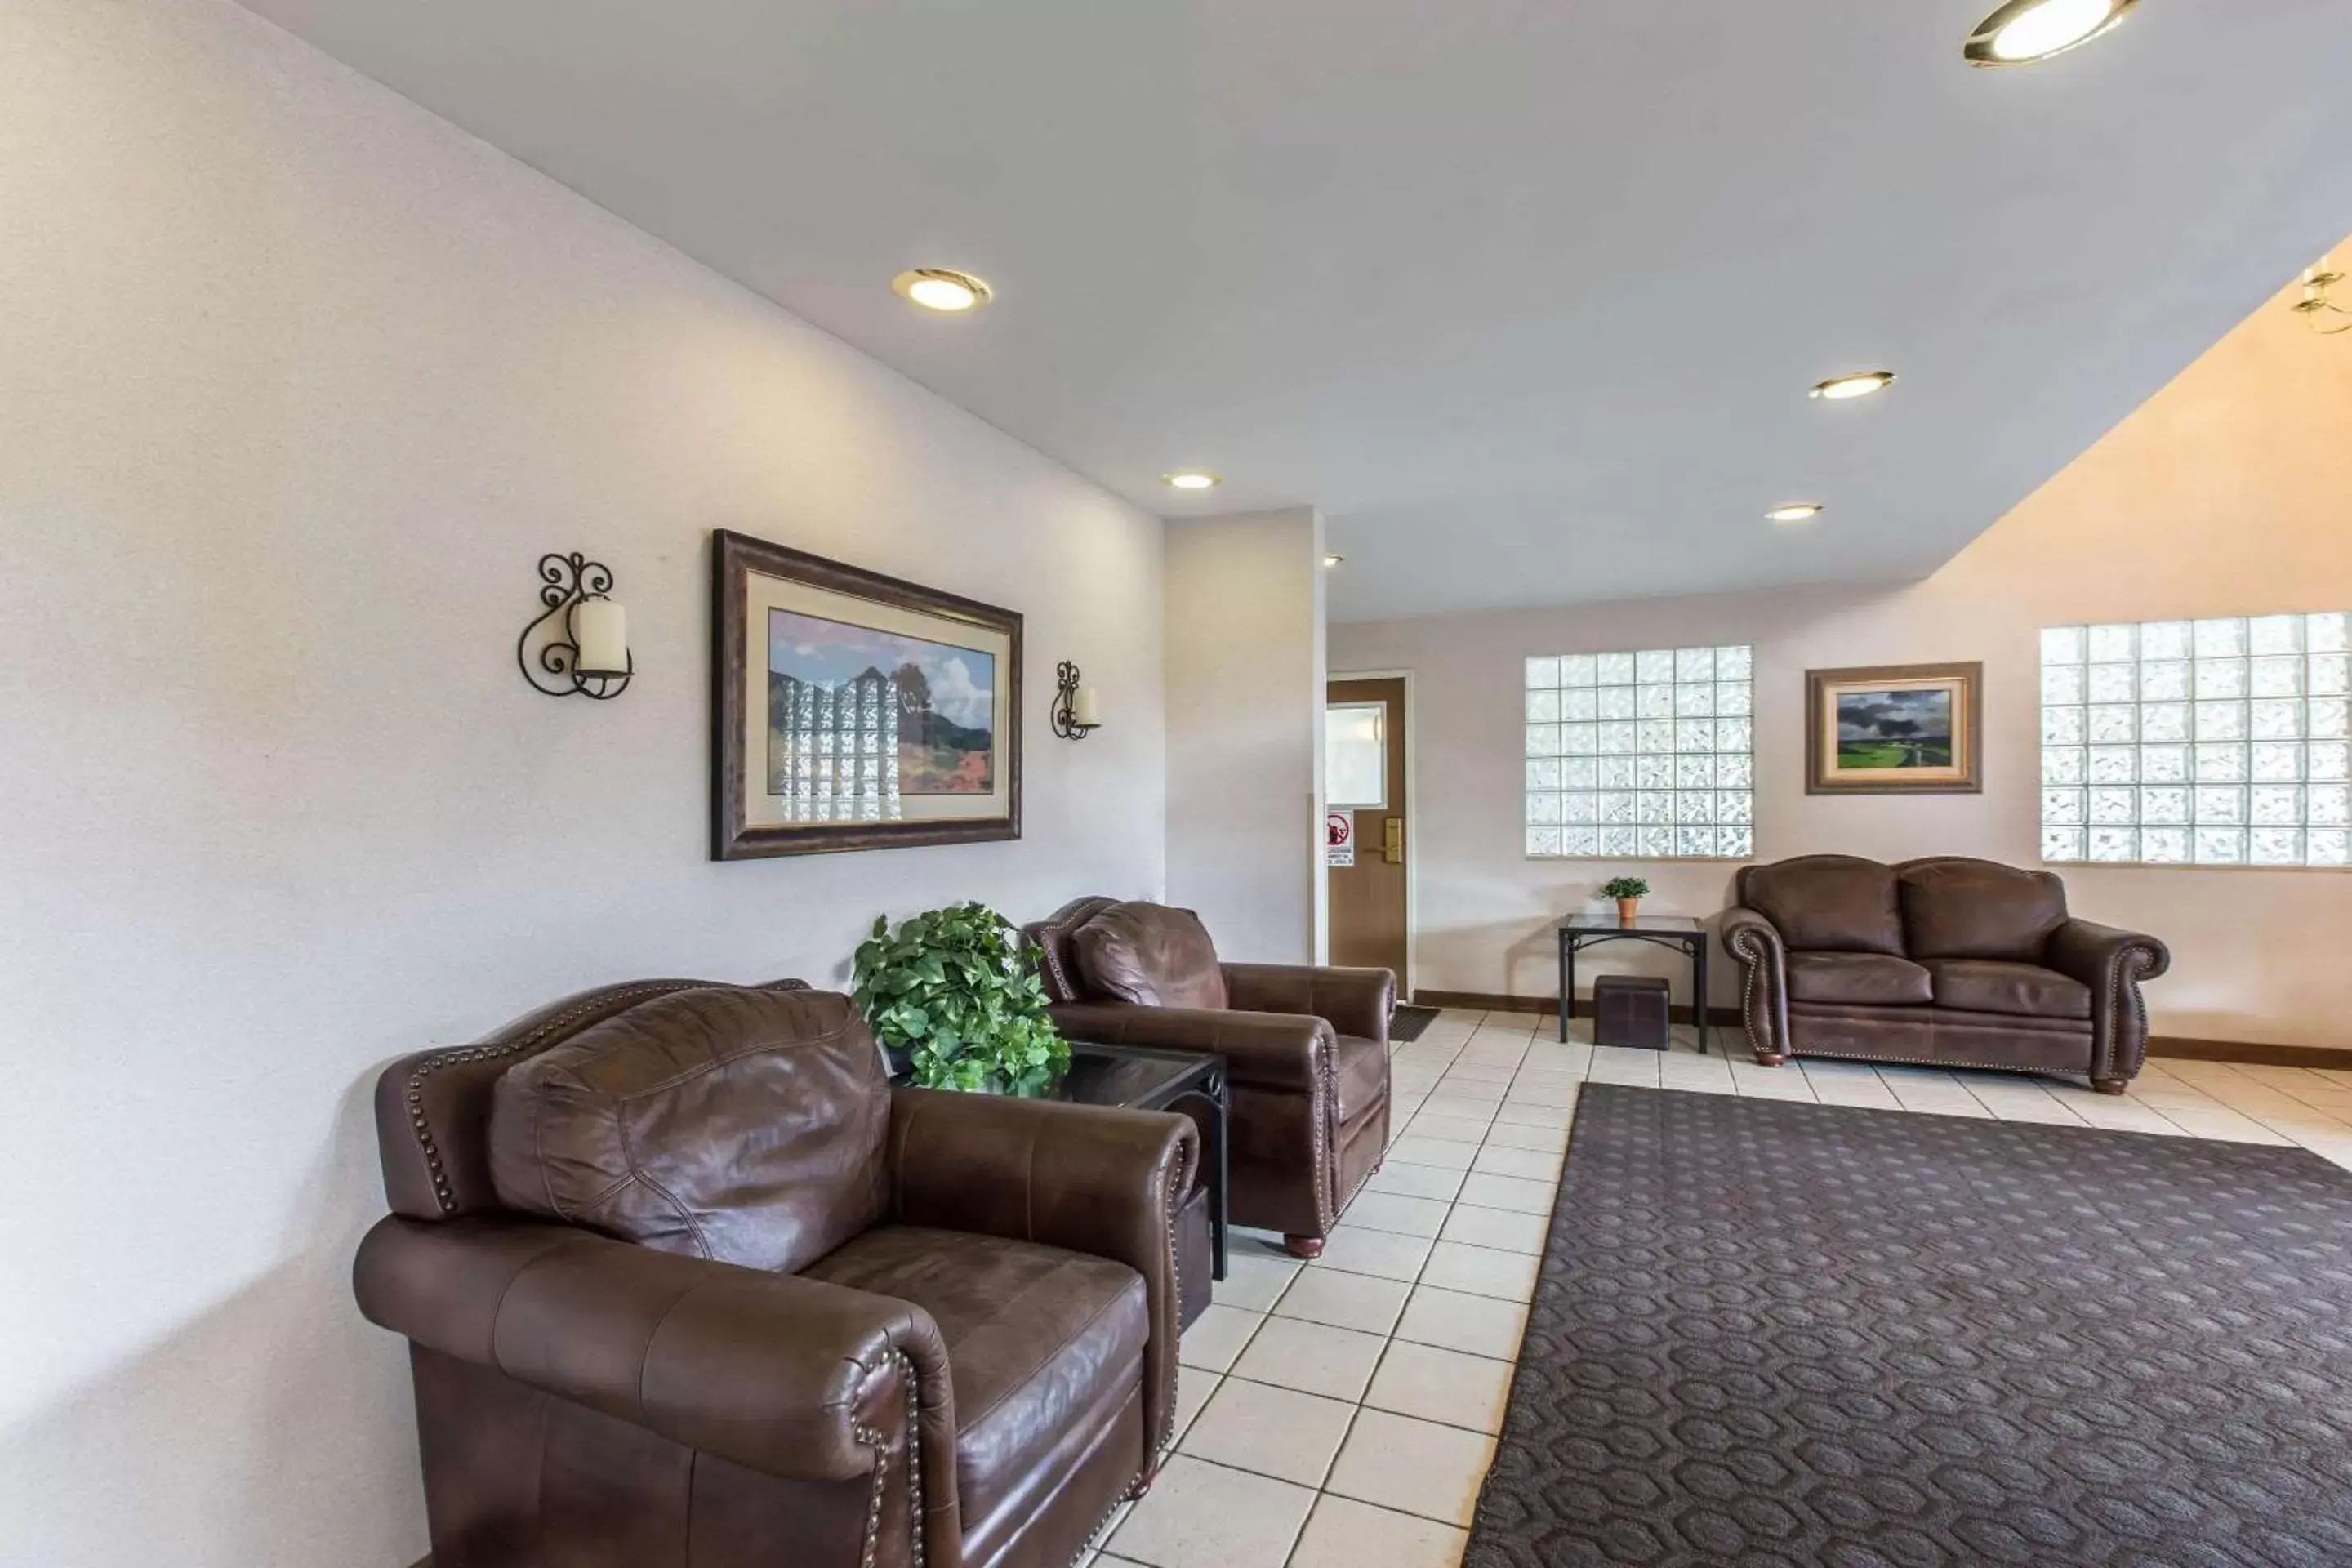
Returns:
(1341, 1413)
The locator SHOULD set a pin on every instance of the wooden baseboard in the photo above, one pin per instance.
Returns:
(2249, 1053)
(1494, 1002)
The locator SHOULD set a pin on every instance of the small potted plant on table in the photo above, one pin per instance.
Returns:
(957, 992)
(1629, 892)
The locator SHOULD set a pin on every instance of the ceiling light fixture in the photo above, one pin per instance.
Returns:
(1856, 384)
(939, 289)
(1190, 479)
(2320, 311)
(1795, 511)
(2026, 31)
(1333, 560)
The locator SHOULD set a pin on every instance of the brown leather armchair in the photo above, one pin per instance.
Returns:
(1947, 960)
(1306, 1049)
(687, 1281)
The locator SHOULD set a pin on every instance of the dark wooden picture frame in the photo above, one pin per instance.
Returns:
(1827, 773)
(735, 559)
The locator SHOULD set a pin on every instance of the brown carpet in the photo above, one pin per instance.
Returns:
(1779, 1333)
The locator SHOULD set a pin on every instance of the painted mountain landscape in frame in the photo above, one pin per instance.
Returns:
(940, 697)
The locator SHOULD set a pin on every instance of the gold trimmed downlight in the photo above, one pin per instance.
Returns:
(1190, 479)
(2025, 32)
(941, 289)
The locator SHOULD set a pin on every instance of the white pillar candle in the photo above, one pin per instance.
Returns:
(1083, 707)
(601, 628)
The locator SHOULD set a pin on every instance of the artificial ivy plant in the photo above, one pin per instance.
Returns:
(958, 991)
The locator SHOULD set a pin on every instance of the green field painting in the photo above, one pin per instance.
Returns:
(1895, 753)
(1894, 730)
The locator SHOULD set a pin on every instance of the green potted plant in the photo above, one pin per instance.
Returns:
(1629, 892)
(957, 990)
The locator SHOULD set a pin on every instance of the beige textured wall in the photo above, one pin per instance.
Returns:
(1245, 661)
(296, 384)
(2229, 492)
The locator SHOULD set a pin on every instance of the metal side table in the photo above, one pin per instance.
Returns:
(1580, 931)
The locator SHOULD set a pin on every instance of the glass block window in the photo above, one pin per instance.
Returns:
(2211, 743)
(1647, 756)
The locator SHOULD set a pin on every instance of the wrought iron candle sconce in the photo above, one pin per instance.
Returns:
(1074, 715)
(582, 641)
(2318, 306)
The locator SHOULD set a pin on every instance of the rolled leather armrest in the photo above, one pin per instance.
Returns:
(2111, 962)
(1756, 943)
(772, 1372)
(1749, 937)
(1353, 1001)
(2100, 955)
(1087, 1178)
(1262, 1050)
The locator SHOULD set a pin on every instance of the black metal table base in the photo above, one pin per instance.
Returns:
(1574, 937)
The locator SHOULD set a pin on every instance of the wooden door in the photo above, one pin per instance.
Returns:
(1366, 898)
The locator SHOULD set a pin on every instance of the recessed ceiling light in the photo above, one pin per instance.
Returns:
(1333, 560)
(2025, 31)
(939, 289)
(1795, 511)
(1858, 383)
(1190, 479)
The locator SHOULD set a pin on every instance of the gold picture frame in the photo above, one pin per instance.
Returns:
(1899, 729)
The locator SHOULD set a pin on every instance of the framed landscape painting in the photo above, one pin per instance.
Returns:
(1908, 729)
(851, 711)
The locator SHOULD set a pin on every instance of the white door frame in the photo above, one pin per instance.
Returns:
(1411, 816)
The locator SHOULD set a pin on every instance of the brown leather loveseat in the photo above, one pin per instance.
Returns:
(1306, 1049)
(686, 1281)
(1947, 960)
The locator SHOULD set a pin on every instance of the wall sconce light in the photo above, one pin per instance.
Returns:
(2318, 308)
(1076, 714)
(586, 650)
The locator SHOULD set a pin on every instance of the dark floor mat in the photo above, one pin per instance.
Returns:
(1408, 1020)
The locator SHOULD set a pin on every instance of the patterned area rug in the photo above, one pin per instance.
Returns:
(1781, 1334)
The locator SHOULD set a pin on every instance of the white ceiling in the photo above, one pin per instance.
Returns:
(1524, 294)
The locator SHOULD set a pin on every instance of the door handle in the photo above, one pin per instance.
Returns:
(1392, 841)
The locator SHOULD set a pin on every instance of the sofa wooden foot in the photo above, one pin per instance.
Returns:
(2110, 1085)
(1142, 1483)
(1769, 1060)
(1309, 1247)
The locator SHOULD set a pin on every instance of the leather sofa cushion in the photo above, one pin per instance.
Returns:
(1828, 903)
(1359, 1075)
(1151, 956)
(1866, 979)
(744, 1126)
(1974, 908)
(1040, 1343)
(1996, 985)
